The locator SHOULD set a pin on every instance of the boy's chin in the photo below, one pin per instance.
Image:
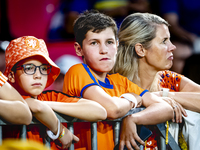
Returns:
(35, 93)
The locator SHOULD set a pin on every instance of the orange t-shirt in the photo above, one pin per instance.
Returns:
(38, 132)
(77, 79)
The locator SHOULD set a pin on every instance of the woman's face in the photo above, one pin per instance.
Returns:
(160, 54)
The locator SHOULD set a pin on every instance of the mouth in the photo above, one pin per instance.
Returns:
(37, 84)
(170, 57)
(103, 59)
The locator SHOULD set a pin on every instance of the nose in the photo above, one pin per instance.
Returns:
(37, 73)
(172, 47)
(103, 49)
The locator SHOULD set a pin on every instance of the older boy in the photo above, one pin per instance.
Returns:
(96, 42)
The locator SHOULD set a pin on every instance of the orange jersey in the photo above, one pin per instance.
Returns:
(3, 79)
(77, 79)
(38, 132)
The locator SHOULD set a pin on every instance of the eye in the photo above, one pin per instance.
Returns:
(93, 43)
(44, 67)
(29, 67)
(164, 41)
(110, 42)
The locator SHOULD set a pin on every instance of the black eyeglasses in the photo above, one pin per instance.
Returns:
(30, 69)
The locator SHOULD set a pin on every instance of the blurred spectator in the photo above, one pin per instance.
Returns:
(64, 62)
(4, 25)
(3, 46)
(17, 144)
(61, 27)
(184, 18)
(119, 9)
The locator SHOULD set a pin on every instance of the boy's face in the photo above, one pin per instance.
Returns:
(34, 84)
(99, 50)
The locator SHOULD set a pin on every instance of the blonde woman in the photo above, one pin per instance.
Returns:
(145, 55)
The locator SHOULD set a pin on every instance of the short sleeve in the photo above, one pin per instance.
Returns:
(77, 79)
(170, 80)
(3, 79)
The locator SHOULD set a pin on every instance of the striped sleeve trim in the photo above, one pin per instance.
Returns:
(3, 79)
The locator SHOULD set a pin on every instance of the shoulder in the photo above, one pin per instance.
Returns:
(117, 76)
(76, 68)
(170, 79)
(169, 74)
(52, 95)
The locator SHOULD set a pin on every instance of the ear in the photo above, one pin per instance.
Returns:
(139, 50)
(78, 49)
(11, 77)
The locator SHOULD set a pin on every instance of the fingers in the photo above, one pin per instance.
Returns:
(131, 144)
(134, 145)
(182, 110)
(178, 112)
(75, 139)
(139, 140)
(128, 145)
(121, 145)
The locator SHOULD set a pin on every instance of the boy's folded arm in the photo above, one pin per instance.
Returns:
(43, 113)
(14, 105)
(115, 107)
(15, 112)
(9, 93)
(90, 110)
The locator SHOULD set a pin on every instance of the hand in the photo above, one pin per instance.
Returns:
(139, 99)
(129, 134)
(178, 109)
(67, 139)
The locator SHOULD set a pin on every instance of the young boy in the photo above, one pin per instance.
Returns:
(30, 70)
(13, 108)
(96, 42)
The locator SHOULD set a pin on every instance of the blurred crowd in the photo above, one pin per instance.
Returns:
(52, 20)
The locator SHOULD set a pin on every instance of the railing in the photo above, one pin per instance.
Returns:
(70, 120)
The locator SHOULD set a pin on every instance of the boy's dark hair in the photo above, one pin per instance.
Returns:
(92, 20)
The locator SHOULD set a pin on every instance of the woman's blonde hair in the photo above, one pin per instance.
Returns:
(135, 28)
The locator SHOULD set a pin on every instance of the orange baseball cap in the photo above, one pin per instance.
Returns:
(25, 47)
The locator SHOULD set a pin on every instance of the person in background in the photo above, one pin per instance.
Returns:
(96, 42)
(145, 55)
(30, 70)
(119, 9)
(64, 62)
(61, 25)
(3, 45)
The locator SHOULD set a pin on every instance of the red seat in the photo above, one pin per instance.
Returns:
(30, 17)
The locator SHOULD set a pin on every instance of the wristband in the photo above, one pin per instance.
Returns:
(129, 97)
(51, 134)
(165, 92)
(62, 134)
